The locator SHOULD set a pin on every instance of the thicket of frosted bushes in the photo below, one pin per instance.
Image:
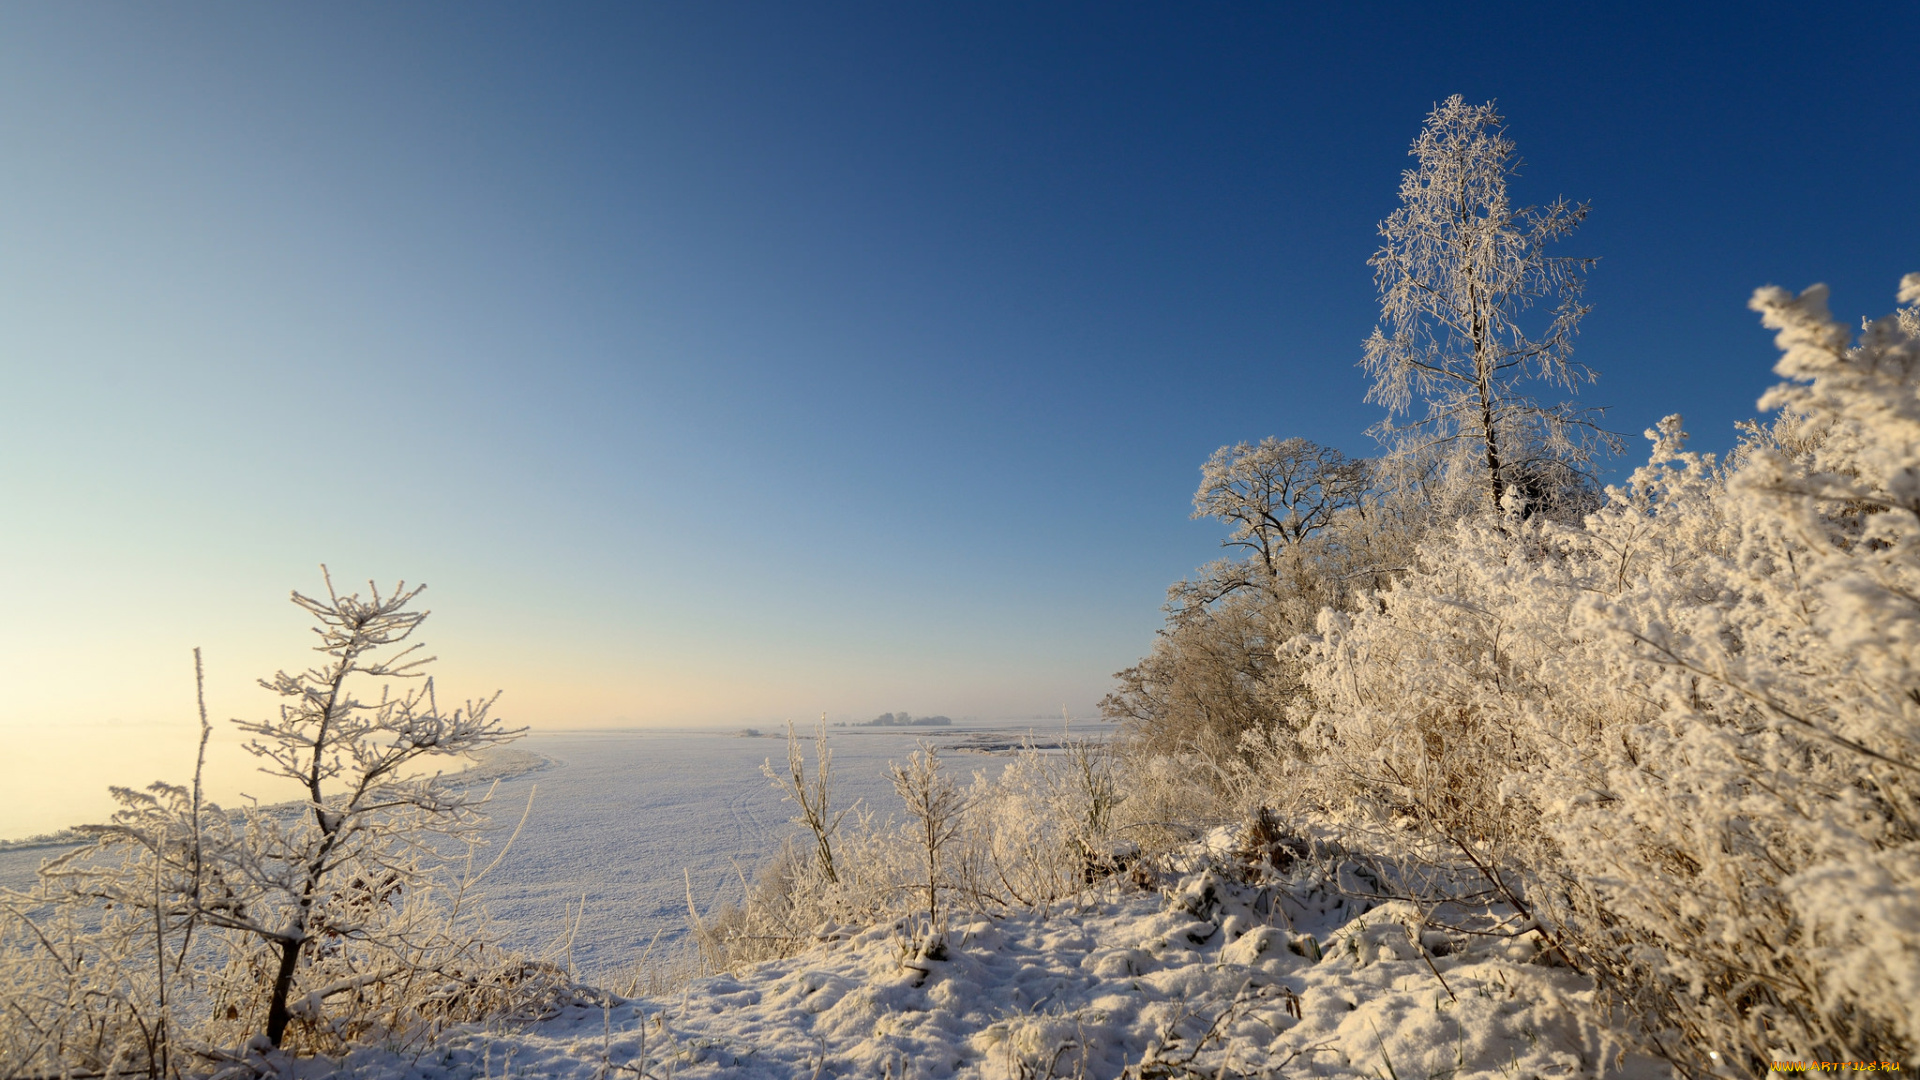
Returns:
(1678, 736)
(1031, 837)
(1682, 734)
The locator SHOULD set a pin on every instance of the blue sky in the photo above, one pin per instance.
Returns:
(721, 362)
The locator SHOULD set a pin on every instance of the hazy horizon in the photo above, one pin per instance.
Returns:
(61, 779)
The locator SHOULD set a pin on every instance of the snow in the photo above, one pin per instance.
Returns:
(1207, 976)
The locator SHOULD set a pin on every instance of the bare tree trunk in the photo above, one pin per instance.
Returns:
(277, 1012)
(278, 1015)
(1483, 384)
(1494, 483)
(933, 871)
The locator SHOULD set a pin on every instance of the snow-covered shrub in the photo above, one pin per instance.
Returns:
(1426, 703)
(87, 991)
(851, 875)
(1773, 779)
(1048, 825)
(1682, 736)
(936, 811)
(812, 796)
(1032, 835)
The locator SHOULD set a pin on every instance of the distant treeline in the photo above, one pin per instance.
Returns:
(901, 719)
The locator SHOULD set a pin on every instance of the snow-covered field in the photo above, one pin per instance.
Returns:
(622, 819)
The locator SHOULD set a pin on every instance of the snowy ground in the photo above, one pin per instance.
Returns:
(1207, 977)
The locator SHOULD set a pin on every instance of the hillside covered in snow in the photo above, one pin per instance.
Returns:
(1225, 971)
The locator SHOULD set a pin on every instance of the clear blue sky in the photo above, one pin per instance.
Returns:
(721, 362)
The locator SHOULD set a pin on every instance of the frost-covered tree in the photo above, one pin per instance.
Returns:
(1303, 520)
(1209, 677)
(1459, 270)
(328, 913)
(352, 755)
(1276, 495)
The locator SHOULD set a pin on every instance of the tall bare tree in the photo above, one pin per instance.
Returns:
(1459, 270)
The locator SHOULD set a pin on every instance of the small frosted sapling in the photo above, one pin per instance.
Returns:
(937, 807)
(811, 795)
(312, 902)
(365, 819)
